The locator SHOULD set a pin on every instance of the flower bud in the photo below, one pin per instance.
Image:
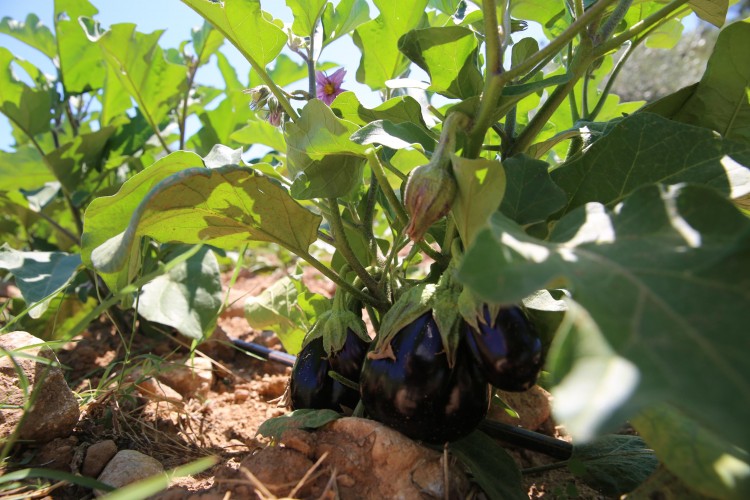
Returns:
(428, 196)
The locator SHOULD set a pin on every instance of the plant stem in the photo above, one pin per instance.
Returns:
(331, 275)
(342, 245)
(638, 28)
(192, 70)
(578, 66)
(495, 82)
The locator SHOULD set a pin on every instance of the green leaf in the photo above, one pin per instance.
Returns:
(299, 419)
(144, 73)
(377, 39)
(714, 466)
(306, 14)
(721, 101)
(664, 282)
(343, 19)
(260, 132)
(277, 309)
(31, 32)
(481, 186)
(402, 109)
(206, 41)
(643, 149)
(81, 63)
(449, 55)
(26, 108)
(23, 169)
(187, 298)
(394, 135)
(523, 49)
(108, 216)
(224, 207)
(711, 11)
(490, 465)
(530, 195)
(246, 26)
(39, 275)
(613, 464)
(115, 100)
(334, 176)
(74, 161)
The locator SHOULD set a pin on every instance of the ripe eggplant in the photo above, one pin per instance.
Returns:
(417, 393)
(508, 350)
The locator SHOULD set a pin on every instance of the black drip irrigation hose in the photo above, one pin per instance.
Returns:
(515, 436)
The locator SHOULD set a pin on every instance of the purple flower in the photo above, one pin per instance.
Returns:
(329, 86)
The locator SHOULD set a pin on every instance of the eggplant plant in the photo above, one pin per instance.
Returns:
(508, 181)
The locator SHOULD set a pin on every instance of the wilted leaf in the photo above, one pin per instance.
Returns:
(664, 282)
(187, 298)
(490, 465)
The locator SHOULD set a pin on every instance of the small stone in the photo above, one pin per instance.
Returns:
(241, 395)
(533, 408)
(154, 390)
(191, 378)
(126, 467)
(57, 454)
(54, 412)
(97, 457)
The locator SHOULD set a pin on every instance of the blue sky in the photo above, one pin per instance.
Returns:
(177, 20)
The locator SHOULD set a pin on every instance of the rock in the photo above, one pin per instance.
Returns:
(369, 460)
(128, 466)
(54, 412)
(218, 346)
(57, 454)
(154, 390)
(97, 457)
(533, 408)
(192, 378)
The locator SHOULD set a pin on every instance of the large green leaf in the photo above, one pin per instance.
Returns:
(277, 309)
(260, 132)
(206, 41)
(224, 207)
(645, 148)
(377, 39)
(187, 298)
(664, 280)
(530, 195)
(81, 63)
(144, 73)
(23, 169)
(334, 176)
(317, 146)
(39, 275)
(306, 14)
(344, 18)
(449, 55)
(721, 101)
(714, 466)
(246, 26)
(31, 32)
(481, 186)
(74, 161)
(27, 108)
(395, 135)
(711, 11)
(108, 216)
(397, 110)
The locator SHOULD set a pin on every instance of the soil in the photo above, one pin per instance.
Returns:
(221, 422)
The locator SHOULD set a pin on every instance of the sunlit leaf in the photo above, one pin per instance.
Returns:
(344, 18)
(481, 186)
(81, 63)
(306, 14)
(31, 32)
(711, 11)
(27, 108)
